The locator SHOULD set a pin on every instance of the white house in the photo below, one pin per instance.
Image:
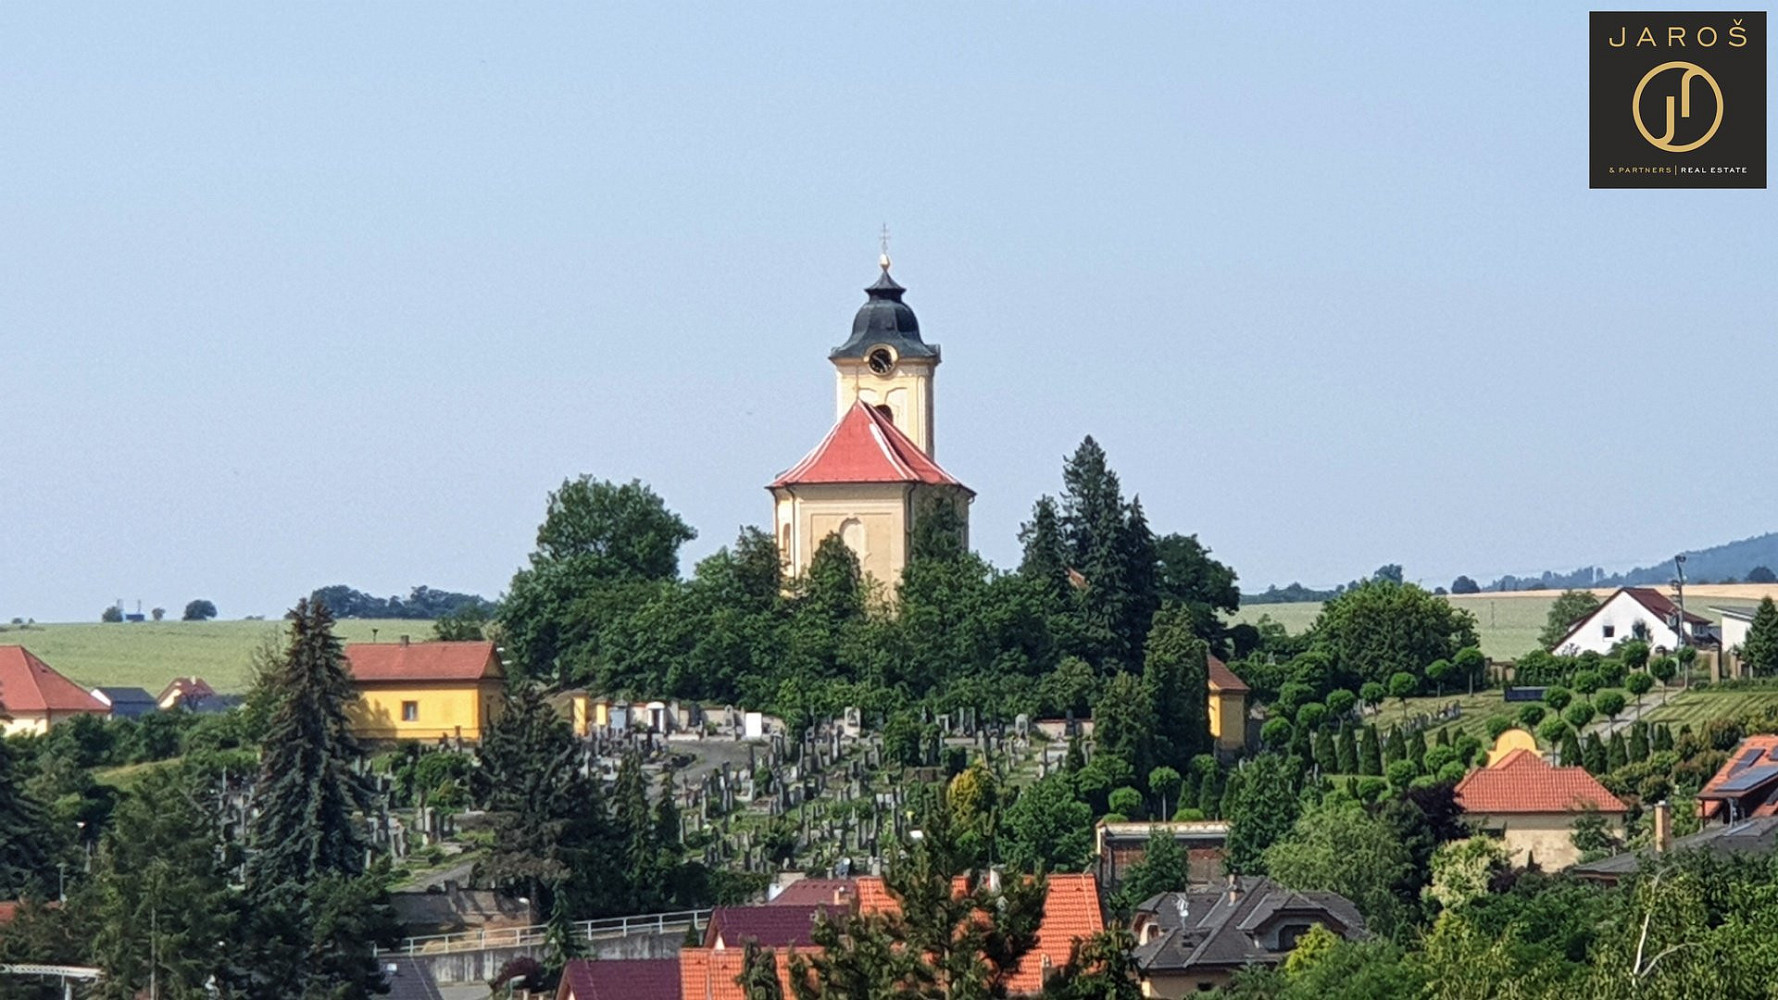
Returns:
(1635, 613)
(1735, 623)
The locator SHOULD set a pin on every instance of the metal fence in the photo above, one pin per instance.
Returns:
(534, 934)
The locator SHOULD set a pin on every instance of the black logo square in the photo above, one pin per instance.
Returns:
(1678, 99)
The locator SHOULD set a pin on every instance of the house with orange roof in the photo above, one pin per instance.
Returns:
(1071, 913)
(424, 690)
(184, 692)
(1531, 807)
(35, 697)
(874, 474)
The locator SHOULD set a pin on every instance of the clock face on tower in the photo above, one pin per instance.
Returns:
(881, 360)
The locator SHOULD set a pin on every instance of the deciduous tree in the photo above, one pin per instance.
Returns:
(1569, 607)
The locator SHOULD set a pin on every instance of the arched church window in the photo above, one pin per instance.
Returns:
(852, 533)
(887, 413)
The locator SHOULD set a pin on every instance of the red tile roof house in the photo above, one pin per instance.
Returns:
(1071, 912)
(1531, 807)
(620, 979)
(183, 690)
(35, 697)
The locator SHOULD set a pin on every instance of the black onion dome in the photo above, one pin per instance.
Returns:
(885, 319)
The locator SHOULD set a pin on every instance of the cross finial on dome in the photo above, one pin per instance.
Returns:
(883, 261)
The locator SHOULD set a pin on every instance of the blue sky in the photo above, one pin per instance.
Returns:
(337, 293)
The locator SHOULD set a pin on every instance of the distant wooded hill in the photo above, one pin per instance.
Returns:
(420, 603)
(1730, 563)
(1734, 562)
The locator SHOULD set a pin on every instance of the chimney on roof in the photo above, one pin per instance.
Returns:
(1234, 889)
(1663, 834)
(404, 640)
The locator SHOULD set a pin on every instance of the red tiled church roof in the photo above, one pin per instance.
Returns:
(1224, 679)
(422, 661)
(1523, 782)
(866, 447)
(28, 684)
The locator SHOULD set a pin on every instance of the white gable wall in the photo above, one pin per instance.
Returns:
(1615, 622)
(1734, 631)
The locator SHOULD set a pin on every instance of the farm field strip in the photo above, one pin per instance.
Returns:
(1508, 623)
(150, 654)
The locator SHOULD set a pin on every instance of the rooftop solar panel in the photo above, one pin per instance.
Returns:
(1750, 779)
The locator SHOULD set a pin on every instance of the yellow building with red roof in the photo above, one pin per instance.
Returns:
(424, 690)
(35, 697)
(1228, 708)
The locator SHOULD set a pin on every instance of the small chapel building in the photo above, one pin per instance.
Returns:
(874, 475)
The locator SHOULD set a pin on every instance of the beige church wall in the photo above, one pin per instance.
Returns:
(873, 519)
(907, 392)
(870, 518)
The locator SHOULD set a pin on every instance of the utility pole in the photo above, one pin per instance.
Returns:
(1679, 588)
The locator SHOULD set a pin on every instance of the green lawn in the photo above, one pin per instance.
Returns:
(150, 654)
(1699, 705)
(1477, 708)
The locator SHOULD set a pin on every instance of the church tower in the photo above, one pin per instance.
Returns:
(873, 476)
(886, 364)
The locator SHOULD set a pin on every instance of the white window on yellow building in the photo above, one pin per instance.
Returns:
(410, 711)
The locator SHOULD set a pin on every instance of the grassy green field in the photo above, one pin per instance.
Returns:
(1508, 623)
(150, 654)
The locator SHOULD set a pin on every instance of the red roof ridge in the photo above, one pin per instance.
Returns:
(1523, 782)
(1659, 603)
(27, 684)
(1222, 678)
(468, 660)
(865, 446)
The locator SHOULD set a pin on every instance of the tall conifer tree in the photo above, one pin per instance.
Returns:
(549, 817)
(1345, 751)
(1176, 674)
(1044, 557)
(309, 790)
(25, 843)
